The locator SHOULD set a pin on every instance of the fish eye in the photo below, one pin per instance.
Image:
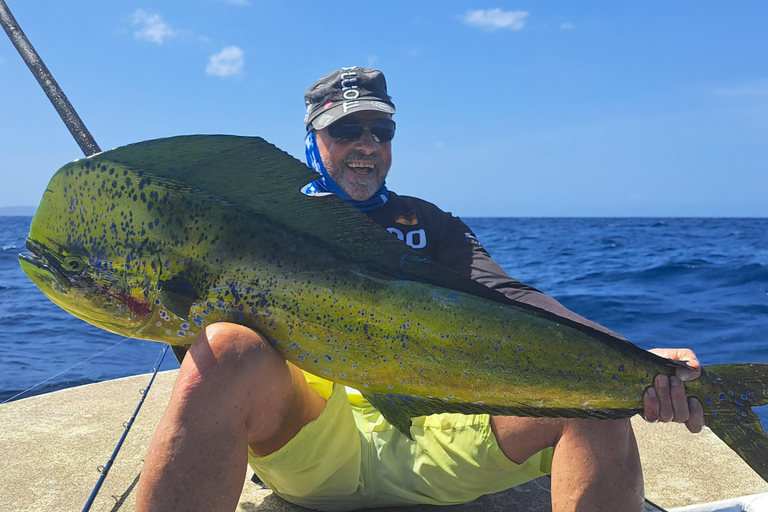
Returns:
(73, 265)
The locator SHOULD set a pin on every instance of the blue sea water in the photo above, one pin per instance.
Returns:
(697, 283)
(42, 342)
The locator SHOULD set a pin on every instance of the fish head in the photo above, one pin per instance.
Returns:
(98, 292)
(79, 258)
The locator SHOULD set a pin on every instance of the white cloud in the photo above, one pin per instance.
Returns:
(567, 26)
(372, 59)
(227, 62)
(491, 20)
(152, 28)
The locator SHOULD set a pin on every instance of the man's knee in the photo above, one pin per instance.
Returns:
(611, 431)
(226, 345)
(606, 439)
(230, 356)
(618, 432)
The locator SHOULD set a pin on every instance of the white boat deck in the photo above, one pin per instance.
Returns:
(51, 446)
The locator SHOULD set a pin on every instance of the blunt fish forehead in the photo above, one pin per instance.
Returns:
(83, 234)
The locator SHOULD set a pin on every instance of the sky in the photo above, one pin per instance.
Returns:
(505, 109)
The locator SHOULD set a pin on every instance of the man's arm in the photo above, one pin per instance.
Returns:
(460, 250)
(469, 258)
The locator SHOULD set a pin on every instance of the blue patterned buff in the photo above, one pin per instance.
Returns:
(325, 184)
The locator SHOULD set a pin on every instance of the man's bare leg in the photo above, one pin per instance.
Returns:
(233, 390)
(596, 464)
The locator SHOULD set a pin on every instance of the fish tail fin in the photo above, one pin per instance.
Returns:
(735, 389)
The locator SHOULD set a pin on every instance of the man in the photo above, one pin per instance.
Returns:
(236, 400)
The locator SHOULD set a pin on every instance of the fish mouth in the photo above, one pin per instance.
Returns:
(36, 263)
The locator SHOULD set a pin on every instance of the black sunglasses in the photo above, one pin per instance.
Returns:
(382, 130)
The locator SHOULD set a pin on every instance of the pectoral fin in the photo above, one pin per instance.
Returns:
(177, 296)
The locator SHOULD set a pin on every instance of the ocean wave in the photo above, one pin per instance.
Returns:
(696, 273)
(749, 311)
(752, 273)
(672, 270)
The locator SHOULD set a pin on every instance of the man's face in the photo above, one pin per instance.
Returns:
(360, 166)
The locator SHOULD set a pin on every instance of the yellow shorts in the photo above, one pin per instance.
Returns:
(351, 458)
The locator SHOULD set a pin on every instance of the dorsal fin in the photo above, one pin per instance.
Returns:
(253, 175)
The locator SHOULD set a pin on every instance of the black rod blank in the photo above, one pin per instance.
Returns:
(45, 79)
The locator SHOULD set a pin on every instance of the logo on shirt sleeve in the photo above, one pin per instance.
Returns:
(471, 238)
(408, 219)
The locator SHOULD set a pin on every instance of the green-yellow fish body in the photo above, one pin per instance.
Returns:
(158, 239)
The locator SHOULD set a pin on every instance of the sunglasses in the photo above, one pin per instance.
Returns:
(382, 130)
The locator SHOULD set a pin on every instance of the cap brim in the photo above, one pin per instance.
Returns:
(336, 112)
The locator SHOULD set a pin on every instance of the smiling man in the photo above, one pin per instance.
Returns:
(359, 170)
(323, 446)
(349, 129)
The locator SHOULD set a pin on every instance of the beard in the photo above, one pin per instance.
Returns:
(359, 183)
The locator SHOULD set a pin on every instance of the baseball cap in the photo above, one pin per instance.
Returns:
(344, 92)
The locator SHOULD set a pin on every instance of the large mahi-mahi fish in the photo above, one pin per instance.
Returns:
(157, 239)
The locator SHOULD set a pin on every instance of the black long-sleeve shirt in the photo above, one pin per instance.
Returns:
(446, 239)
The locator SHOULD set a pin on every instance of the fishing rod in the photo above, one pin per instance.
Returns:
(38, 68)
(66, 111)
(105, 469)
(88, 145)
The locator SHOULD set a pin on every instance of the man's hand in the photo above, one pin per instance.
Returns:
(665, 401)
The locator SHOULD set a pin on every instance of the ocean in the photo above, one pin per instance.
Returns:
(700, 283)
